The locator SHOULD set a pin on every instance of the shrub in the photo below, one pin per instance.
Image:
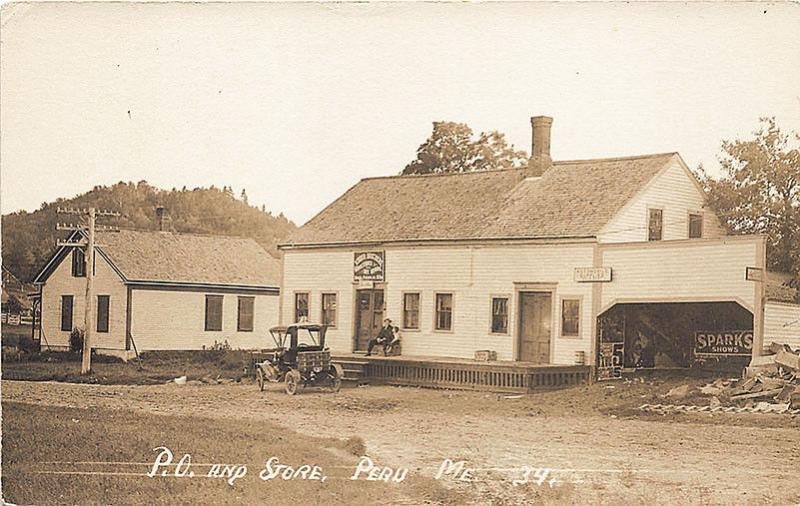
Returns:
(355, 446)
(76, 340)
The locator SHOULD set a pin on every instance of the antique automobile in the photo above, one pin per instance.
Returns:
(299, 358)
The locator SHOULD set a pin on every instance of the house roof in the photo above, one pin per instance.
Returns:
(572, 199)
(185, 259)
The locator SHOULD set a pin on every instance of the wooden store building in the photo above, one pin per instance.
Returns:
(614, 262)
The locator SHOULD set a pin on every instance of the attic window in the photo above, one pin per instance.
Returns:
(655, 224)
(78, 263)
(695, 226)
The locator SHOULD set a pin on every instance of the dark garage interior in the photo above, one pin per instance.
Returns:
(663, 335)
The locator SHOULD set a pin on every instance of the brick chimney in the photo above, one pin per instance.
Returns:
(163, 219)
(540, 159)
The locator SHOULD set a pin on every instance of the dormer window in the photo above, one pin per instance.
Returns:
(655, 224)
(695, 226)
(78, 263)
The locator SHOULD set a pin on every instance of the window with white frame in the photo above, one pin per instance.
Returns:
(444, 311)
(499, 315)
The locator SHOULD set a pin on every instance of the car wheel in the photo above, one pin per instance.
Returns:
(260, 378)
(337, 373)
(292, 380)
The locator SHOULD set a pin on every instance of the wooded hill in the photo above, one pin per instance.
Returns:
(30, 238)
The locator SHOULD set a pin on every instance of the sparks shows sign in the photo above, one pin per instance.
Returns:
(734, 342)
(368, 266)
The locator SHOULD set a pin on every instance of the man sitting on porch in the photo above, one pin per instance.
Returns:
(384, 337)
(393, 347)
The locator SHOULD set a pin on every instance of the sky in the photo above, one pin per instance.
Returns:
(297, 102)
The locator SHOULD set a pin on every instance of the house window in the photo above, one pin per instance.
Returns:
(570, 317)
(103, 302)
(244, 320)
(695, 226)
(655, 224)
(411, 311)
(78, 263)
(444, 311)
(499, 315)
(329, 309)
(300, 306)
(213, 313)
(66, 312)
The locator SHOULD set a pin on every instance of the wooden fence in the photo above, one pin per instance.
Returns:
(478, 376)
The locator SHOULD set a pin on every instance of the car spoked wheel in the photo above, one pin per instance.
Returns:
(261, 380)
(337, 373)
(292, 381)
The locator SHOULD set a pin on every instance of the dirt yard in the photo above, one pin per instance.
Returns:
(598, 448)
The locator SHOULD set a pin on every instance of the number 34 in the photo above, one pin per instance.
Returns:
(534, 475)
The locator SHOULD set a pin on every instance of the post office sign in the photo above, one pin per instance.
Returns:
(593, 274)
(369, 266)
(733, 342)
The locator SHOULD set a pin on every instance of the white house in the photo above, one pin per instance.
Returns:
(781, 311)
(162, 291)
(614, 261)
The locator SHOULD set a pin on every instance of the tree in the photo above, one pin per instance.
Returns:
(29, 239)
(759, 192)
(451, 148)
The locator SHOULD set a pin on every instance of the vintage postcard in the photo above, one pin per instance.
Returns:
(400, 253)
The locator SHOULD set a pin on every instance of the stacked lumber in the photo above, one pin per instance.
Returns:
(772, 379)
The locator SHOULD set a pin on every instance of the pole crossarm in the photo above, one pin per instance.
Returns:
(67, 226)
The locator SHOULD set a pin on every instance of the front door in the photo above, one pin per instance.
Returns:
(535, 322)
(369, 316)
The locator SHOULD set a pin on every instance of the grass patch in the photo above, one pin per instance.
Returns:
(34, 437)
(154, 367)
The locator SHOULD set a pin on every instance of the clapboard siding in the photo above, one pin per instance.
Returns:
(175, 320)
(688, 271)
(317, 272)
(61, 282)
(677, 195)
(782, 323)
(472, 274)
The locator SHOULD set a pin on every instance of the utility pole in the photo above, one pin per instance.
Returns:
(88, 230)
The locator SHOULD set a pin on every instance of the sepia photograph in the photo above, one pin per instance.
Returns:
(403, 253)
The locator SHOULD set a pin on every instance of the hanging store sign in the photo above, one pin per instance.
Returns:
(754, 274)
(369, 266)
(593, 274)
(734, 342)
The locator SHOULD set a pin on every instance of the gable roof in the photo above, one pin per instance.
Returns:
(148, 257)
(572, 199)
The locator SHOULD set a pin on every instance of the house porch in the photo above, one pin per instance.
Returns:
(459, 373)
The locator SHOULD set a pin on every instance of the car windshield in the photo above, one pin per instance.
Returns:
(307, 337)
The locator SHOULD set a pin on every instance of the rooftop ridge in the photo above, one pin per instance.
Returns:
(193, 234)
(555, 162)
(444, 174)
(615, 158)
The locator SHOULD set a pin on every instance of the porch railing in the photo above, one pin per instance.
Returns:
(479, 376)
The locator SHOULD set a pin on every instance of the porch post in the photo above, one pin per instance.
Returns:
(760, 296)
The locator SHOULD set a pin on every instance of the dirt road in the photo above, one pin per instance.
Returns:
(594, 457)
